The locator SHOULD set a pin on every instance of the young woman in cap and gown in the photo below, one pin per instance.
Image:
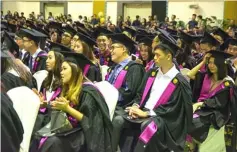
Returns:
(86, 110)
(212, 101)
(85, 46)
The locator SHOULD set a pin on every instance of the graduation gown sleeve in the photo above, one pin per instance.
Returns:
(94, 74)
(11, 127)
(41, 63)
(132, 81)
(96, 124)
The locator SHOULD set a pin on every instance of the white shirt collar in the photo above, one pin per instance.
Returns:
(36, 53)
(171, 73)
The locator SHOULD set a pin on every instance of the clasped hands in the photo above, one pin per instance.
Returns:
(134, 112)
(59, 103)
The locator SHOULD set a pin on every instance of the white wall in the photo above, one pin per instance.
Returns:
(80, 8)
(111, 10)
(26, 7)
(206, 9)
(143, 10)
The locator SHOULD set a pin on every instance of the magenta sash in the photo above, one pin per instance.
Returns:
(148, 132)
(36, 63)
(42, 141)
(166, 94)
(203, 68)
(147, 88)
(181, 67)
(86, 69)
(149, 65)
(56, 93)
(205, 91)
(119, 80)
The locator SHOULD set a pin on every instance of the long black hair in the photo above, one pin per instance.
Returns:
(221, 68)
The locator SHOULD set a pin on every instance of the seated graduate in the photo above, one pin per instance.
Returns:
(103, 42)
(86, 110)
(185, 58)
(31, 39)
(126, 74)
(11, 126)
(85, 45)
(68, 35)
(162, 108)
(146, 55)
(212, 107)
(51, 86)
(232, 68)
(13, 73)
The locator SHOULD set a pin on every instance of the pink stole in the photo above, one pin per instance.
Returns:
(86, 69)
(149, 65)
(36, 63)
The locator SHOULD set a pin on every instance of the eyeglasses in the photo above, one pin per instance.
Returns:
(115, 47)
(24, 40)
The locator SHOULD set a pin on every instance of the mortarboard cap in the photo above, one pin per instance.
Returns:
(70, 30)
(99, 31)
(209, 39)
(11, 44)
(220, 55)
(77, 58)
(58, 47)
(167, 35)
(83, 31)
(146, 40)
(169, 44)
(86, 39)
(233, 42)
(123, 39)
(55, 25)
(80, 24)
(222, 34)
(186, 37)
(32, 34)
(130, 30)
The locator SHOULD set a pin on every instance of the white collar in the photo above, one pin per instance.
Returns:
(171, 73)
(12, 71)
(36, 53)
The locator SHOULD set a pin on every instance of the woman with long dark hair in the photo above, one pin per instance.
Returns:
(85, 45)
(86, 110)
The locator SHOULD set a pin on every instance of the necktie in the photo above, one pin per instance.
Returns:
(30, 64)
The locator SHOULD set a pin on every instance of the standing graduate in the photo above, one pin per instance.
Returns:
(85, 45)
(213, 99)
(86, 110)
(162, 108)
(38, 57)
(126, 74)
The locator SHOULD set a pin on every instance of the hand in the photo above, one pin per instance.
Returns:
(43, 103)
(135, 112)
(197, 106)
(208, 55)
(60, 104)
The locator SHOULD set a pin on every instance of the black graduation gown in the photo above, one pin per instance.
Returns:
(94, 73)
(41, 59)
(215, 111)
(134, 75)
(190, 62)
(11, 81)
(173, 118)
(11, 127)
(96, 127)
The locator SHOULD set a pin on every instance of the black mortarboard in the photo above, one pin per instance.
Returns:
(233, 42)
(58, 47)
(101, 31)
(77, 58)
(55, 25)
(12, 28)
(130, 30)
(142, 31)
(146, 40)
(32, 34)
(197, 38)
(167, 35)
(30, 24)
(69, 30)
(209, 39)
(86, 39)
(222, 34)
(83, 31)
(123, 39)
(11, 44)
(186, 37)
(220, 55)
(80, 24)
(42, 31)
(169, 44)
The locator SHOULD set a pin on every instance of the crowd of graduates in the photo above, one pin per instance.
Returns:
(176, 87)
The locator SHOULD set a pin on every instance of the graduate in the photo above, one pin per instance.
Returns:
(51, 86)
(24, 56)
(213, 99)
(126, 73)
(13, 72)
(185, 58)
(103, 42)
(11, 126)
(85, 45)
(222, 37)
(146, 55)
(86, 109)
(38, 57)
(67, 35)
(232, 67)
(162, 108)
